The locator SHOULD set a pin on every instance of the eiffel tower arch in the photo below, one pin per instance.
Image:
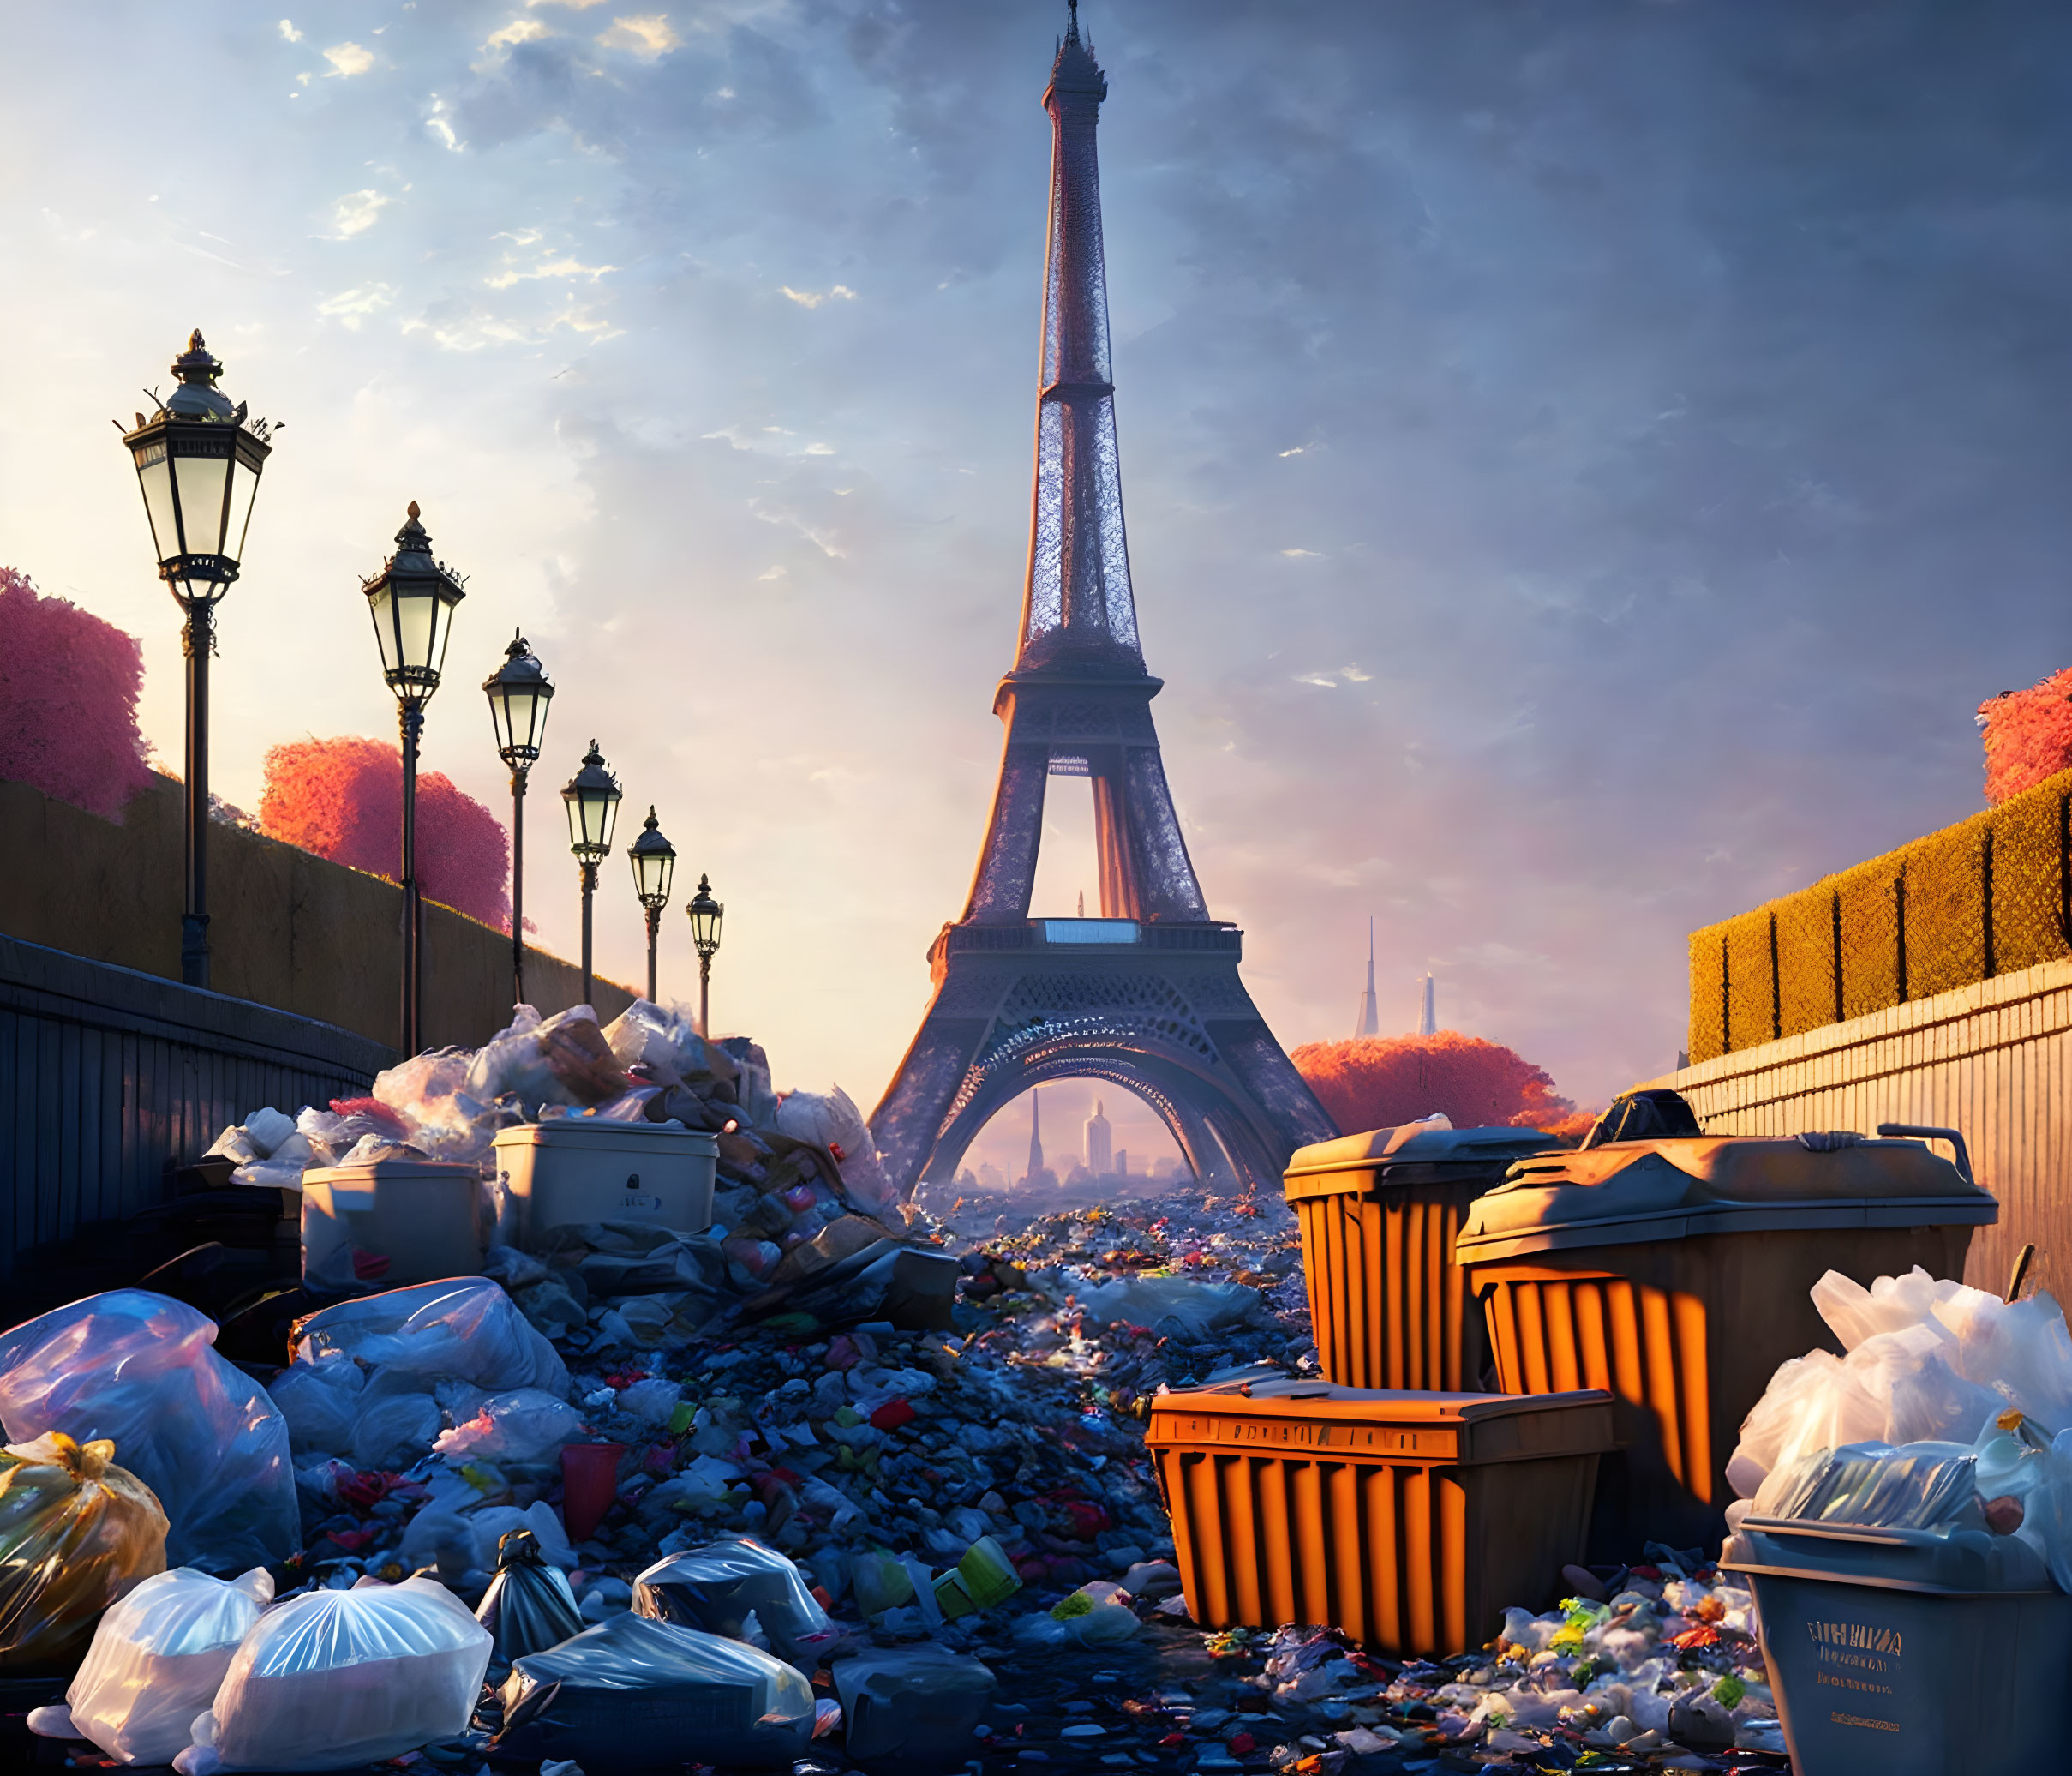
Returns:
(1146, 996)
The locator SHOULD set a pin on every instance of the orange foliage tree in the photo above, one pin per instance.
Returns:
(1383, 1081)
(69, 686)
(2028, 735)
(343, 799)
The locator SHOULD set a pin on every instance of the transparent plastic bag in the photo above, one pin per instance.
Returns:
(392, 1431)
(75, 1530)
(526, 1424)
(528, 1605)
(466, 1328)
(718, 1586)
(1923, 1486)
(707, 1700)
(139, 1369)
(319, 1403)
(331, 1679)
(157, 1658)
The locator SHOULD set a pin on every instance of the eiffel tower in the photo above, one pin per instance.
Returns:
(1147, 996)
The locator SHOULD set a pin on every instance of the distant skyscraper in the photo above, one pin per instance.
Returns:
(1100, 1151)
(1121, 1163)
(1427, 1012)
(1370, 1008)
(1035, 1135)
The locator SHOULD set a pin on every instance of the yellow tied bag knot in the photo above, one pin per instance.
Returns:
(76, 1532)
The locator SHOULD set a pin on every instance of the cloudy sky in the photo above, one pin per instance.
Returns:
(1584, 462)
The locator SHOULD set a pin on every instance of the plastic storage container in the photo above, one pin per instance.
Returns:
(1675, 1273)
(582, 1169)
(424, 1217)
(1409, 1520)
(1907, 1651)
(1379, 1214)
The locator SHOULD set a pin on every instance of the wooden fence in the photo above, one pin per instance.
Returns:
(109, 1078)
(1993, 1059)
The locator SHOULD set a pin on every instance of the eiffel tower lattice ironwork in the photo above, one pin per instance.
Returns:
(1147, 996)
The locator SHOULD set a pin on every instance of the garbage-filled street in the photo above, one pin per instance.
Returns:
(818, 1483)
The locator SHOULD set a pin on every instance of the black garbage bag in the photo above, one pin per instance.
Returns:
(631, 1694)
(718, 1586)
(528, 1606)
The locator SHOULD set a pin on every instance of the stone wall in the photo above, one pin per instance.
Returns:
(287, 929)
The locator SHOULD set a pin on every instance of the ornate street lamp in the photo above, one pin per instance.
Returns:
(198, 461)
(654, 862)
(591, 796)
(519, 693)
(412, 601)
(706, 914)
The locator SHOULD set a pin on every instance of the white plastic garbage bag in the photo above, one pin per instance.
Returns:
(139, 1369)
(393, 1431)
(333, 1679)
(831, 1120)
(709, 1700)
(157, 1659)
(466, 1328)
(1928, 1360)
(525, 1424)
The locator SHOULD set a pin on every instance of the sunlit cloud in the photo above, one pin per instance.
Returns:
(439, 123)
(518, 31)
(813, 298)
(646, 33)
(1299, 450)
(1302, 553)
(356, 213)
(353, 306)
(562, 267)
(288, 31)
(347, 59)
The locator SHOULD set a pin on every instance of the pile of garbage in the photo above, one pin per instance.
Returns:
(1936, 1417)
(754, 1484)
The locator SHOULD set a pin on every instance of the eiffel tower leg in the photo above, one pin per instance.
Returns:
(905, 1123)
(1007, 865)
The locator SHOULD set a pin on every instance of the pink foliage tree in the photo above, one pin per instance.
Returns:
(343, 799)
(69, 686)
(2028, 736)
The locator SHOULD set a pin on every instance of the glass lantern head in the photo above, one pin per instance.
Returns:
(519, 693)
(706, 914)
(198, 461)
(654, 862)
(412, 601)
(591, 797)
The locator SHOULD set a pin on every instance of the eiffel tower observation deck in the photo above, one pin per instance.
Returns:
(1147, 996)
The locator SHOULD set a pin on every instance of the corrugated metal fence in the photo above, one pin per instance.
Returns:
(109, 1079)
(1993, 1060)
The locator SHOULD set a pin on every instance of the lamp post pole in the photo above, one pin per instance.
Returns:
(198, 642)
(519, 693)
(412, 601)
(706, 914)
(591, 797)
(198, 462)
(654, 860)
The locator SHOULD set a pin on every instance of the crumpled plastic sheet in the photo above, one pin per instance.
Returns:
(465, 1327)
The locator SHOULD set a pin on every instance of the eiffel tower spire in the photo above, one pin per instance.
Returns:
(1078, 614)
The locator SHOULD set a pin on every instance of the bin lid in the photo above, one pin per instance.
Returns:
(600, 1132)
(1415, 1152)
(388, 1171)
(1950, 1563)
(1299, 1418)
(1626, 1192)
